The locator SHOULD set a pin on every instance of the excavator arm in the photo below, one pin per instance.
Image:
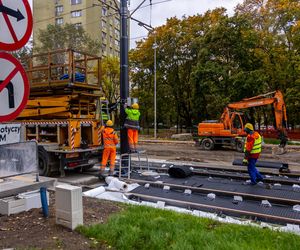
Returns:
(274, 98)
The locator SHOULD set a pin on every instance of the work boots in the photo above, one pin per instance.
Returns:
(102, 172)
(111, 172)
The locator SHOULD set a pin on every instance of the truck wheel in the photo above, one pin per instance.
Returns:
(44, 168)
(86, 168)
(239, 146)
(208, 144)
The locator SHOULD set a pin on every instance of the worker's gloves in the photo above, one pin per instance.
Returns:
(245, 162)
(247, 154)
(123, 102)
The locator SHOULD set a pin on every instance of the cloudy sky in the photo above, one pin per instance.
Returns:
(178, 8)
(170, 8)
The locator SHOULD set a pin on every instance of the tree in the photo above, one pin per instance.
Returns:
(207, 61)
(68, 36)
(110, 72)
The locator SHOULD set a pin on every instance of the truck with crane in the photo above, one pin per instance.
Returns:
(65, 110)
(229, 130)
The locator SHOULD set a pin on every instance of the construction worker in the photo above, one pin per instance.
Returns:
(132, 125)
(110, 140)
(252, 151)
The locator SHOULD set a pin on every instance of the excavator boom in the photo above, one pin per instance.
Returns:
(261, 100)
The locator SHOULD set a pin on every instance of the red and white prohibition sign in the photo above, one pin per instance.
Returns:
(15, 24)
(14, 87)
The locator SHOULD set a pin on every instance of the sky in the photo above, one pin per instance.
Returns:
(170, 8)
(178, 8)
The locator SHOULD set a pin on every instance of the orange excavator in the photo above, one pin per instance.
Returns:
(229, 130)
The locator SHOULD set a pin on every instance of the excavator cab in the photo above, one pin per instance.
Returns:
(237, 123)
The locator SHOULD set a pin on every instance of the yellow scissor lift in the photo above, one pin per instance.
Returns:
(63, 113)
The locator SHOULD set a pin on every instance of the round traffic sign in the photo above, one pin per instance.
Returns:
(14, 87)
(15, 24)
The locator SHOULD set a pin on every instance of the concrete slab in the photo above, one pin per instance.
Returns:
(23, 183)
(79, 179)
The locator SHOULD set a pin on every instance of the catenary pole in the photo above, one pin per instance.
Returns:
(155, 107)
(124, 79)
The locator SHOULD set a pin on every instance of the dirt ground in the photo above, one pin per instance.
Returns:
(29, 230)
(187, 151)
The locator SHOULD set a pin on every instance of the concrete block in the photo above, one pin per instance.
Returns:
(11, 205)
(211, 196)
(187, 191)
(296, 208)
(296, 188)
(69, 211)
(32, 199)
(166, 188)
(160, 204)
(182, 137)
(237, 198)
(69, 219)
(266, 203)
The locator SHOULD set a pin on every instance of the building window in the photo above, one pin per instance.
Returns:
(78, 25)
(59, 21)
(59, 9)
(104, 11)
(117, 33)
(76, 13)
(117, 22)
(74, 2)
(103, 36)
(103, 24)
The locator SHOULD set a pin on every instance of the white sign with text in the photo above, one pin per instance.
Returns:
(10, 133)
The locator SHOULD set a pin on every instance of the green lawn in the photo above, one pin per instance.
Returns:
(139, 227)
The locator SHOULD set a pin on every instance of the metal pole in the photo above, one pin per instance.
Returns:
(155, 122)
(124, 82)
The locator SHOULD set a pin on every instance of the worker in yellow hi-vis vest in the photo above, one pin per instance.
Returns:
(132, 125)
(252, 151)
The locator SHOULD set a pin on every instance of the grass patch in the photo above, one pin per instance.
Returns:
(271, 141)
(141, 227)
(277, 142)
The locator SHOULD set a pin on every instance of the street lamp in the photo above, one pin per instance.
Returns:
(149, 28)
(155, 122)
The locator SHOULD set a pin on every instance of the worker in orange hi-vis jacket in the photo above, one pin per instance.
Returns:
(110, 140)
(132, 125)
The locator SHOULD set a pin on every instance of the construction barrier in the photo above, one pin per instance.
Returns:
(18, 158)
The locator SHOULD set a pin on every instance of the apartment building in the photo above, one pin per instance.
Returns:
(98, 19)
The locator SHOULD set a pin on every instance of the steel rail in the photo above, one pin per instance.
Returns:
(278, 200)
(214, 207)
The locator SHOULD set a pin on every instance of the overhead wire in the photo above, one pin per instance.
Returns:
(109, 15)
(150, 12)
